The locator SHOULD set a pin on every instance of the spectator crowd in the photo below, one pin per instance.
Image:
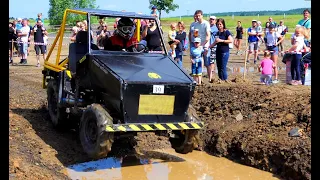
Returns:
(209, 42)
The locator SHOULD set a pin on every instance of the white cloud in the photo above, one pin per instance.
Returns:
(188, 2)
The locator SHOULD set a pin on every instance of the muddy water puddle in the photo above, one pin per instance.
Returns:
(235, 70)
(166, 164)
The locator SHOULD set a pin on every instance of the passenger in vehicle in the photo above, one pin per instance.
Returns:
(101, 26)
(152, 36)
(103, 35)
(122, 37)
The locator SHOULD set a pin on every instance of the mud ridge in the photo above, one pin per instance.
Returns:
(250, 125)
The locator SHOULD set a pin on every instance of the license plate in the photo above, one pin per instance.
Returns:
(158, 89)
(156, 104)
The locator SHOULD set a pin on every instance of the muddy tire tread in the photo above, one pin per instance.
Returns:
(59, 120)
(105, 140)
(187, 143)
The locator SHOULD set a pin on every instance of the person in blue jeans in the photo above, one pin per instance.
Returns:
(196, 58)
(222, 40)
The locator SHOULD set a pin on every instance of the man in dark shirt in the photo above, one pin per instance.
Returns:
(28, 21)
(12, 37)
(39, 32)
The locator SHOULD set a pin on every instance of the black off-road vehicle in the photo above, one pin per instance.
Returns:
(118, 93)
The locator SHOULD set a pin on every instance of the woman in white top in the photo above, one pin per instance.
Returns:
(272, 40)
(297, 46)
(282, 29)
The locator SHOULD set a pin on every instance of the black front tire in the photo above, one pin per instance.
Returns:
(58, 115)
(95, 141)
(186, 141)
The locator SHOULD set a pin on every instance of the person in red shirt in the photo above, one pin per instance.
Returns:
(123, 36)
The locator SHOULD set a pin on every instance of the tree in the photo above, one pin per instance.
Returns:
(57, 8)
(163, 5)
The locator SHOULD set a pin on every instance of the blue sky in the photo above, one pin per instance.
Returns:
(30, 10)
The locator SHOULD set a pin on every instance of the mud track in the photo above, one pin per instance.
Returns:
(245, 122)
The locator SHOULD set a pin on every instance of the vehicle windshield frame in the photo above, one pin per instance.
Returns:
(134, 16)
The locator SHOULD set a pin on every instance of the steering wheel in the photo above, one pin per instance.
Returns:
(132, 48)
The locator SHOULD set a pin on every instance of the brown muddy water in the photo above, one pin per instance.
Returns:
(166, 164)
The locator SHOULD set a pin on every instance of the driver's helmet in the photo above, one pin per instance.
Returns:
(125, 27)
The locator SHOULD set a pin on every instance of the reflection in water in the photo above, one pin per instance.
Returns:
(249, 69)
(235, 70)
(164, 165)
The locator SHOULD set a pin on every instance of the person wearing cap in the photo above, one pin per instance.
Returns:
(196, 59)
(154, 12)
(273, 39)
(253, 40)
(19, 24)
(211, 57)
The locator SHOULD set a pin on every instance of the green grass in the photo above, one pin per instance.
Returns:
(290, 21)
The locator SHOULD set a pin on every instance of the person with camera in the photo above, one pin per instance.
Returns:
(151, 34)
(39, 33)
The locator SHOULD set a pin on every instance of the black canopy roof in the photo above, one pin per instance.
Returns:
(101, 12)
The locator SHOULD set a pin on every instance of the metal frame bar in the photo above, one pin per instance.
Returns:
(59, 65)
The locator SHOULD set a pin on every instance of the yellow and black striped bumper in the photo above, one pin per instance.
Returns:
(154, 127)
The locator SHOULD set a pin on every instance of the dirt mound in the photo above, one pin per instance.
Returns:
(251, 124)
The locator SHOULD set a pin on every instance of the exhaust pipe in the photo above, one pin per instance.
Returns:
(72, 101)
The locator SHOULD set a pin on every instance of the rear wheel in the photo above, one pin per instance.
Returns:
(95, 141)
(185, 141)
(57, 114)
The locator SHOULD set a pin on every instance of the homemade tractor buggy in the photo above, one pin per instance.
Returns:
(114, 94)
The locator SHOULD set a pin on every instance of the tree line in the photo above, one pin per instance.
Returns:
(57, 8)
(261, 13)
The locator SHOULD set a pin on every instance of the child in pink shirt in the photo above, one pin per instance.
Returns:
(267, 65)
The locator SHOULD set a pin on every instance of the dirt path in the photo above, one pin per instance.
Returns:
(246, 122)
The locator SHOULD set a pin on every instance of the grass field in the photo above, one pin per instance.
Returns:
(289, 20)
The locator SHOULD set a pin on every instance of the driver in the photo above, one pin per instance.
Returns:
(123, 36)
